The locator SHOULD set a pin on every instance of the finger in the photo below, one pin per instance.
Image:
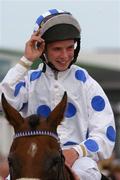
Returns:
(37, 33)
(36, 38)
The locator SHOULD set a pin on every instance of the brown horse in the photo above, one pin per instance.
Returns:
(35, 152)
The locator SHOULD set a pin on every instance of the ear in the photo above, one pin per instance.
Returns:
(12, 115)
(57, 115)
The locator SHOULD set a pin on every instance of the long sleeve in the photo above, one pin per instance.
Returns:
(101, 131)
(11, 86)
(88, 125)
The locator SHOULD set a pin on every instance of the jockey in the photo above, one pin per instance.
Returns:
(87, 133)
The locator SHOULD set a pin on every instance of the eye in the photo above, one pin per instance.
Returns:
(56, 161)
(55, 164)
(14, 165)
(10, 161)
(62, 158)
(52, 163)
(56, 49)
(71, 47)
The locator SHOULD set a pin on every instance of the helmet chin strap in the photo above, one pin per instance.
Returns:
(45, 59)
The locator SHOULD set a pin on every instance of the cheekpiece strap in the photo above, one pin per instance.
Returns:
(36, 133)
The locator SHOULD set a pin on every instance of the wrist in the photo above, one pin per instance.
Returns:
(25, 62)
(76, 154)
(80, 149)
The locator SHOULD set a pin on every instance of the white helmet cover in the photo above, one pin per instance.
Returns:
(58, 25)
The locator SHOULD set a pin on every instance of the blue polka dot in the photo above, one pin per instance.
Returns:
(35, 75)
(70, 111)
(98, 103)
(91, 145)
(80, 75)
(111, 134)
(43, 110)
(18, 87)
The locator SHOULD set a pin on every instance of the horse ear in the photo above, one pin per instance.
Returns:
(12, 115)
(57, 115)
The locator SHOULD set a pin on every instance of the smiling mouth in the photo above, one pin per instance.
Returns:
(62, 62)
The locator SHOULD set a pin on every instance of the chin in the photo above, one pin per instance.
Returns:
(62, 69)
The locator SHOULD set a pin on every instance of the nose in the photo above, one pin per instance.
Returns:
(64, 54)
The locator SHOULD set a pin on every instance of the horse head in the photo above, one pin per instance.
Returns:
(35, 151)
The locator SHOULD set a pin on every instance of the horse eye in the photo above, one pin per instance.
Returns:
(10, 161)
(56, 160)
(62, 158)
(55, 163)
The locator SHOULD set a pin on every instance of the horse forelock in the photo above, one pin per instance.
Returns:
(33, 120)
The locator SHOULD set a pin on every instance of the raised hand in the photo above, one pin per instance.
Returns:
(34, 46)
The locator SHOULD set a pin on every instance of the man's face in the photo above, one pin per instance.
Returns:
(61, 53)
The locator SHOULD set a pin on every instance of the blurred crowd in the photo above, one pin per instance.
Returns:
(110, 168)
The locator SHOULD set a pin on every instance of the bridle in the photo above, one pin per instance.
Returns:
(45, 133)
(36, 133)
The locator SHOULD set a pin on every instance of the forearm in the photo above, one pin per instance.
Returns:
(16, 73)
(13, 82)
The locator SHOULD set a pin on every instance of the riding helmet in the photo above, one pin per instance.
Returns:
(56, 25)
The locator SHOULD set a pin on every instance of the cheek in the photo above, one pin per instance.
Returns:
(53, 55)
(71, 56)
(71, 53)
